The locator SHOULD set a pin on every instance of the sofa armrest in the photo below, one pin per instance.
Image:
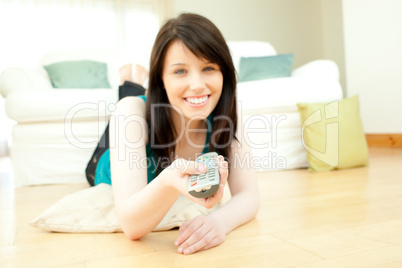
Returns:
(24, 79)
(318, 69)
(277, 94)
(60, 104)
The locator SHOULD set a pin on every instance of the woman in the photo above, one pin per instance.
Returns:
(190, 108)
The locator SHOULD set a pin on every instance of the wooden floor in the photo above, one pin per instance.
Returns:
(348, 218)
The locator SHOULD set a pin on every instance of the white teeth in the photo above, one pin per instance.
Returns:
(197, 100)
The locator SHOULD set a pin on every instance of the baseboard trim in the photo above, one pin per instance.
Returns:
(384, 140)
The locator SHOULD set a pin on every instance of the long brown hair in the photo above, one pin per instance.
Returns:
(204, 40)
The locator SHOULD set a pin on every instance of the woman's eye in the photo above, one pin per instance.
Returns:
(181, 71)
(209, 68)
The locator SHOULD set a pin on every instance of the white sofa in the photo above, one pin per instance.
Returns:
(58, 129)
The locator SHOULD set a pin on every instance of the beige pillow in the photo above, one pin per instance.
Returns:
(92, 210)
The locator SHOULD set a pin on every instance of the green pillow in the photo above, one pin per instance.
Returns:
(258, 68)
(333, 135)
(78, 74)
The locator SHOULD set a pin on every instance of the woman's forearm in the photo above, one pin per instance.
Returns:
(141, 212)
(240, 209)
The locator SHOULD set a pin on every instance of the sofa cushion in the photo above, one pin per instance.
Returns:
(78, 74)
(333, 135)
(258, 68)
(114, 57)
(240, 49)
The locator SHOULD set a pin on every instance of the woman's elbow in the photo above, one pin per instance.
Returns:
(134, 233)
(133, 229)
(254, 204)
(133, 236)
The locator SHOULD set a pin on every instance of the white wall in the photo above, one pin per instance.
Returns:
(373, 57)
(311, 29)
(332, 28)
(291, 26)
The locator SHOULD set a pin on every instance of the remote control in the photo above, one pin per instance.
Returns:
(206, 184)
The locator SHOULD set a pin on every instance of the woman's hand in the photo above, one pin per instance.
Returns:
(200, 233)
(178, 174)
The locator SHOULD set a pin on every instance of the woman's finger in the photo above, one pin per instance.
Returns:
(214, 242)
(183, 227)
(199, 237)
(186, 230)
(223, 172)
(188, 167)
(213, 200)
(198, 243)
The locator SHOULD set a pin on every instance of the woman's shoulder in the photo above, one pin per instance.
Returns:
(129, 117)
(131, 105)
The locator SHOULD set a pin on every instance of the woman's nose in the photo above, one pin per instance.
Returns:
(197, 82)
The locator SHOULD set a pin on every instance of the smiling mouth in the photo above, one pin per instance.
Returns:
(197, 100)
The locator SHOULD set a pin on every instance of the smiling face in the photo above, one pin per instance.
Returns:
(193, 85)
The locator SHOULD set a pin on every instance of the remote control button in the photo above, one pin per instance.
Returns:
(194, 183)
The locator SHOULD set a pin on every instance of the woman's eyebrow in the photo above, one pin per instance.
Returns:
(175, 64)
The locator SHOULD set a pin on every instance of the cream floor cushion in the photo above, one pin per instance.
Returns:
(91, 210)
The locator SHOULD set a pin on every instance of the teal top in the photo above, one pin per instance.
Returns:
(102, 172)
